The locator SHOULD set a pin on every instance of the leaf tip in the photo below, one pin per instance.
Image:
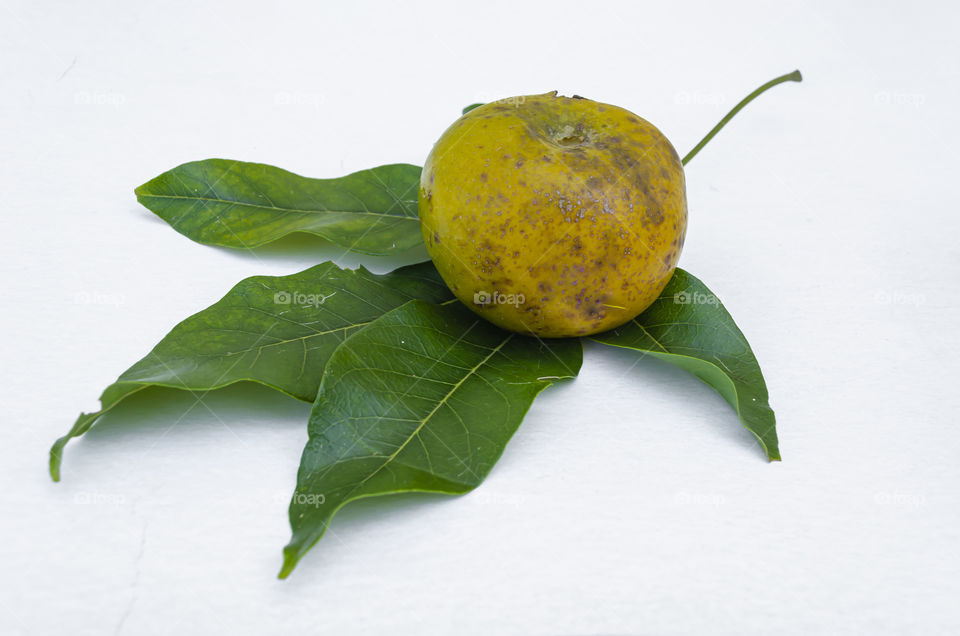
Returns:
(141, 190)
(289, 562)
(56, 456)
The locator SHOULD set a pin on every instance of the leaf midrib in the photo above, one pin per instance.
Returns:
(276, 208)
(432, 412)
(282, 341)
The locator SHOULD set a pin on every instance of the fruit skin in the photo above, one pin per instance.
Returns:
(554, 216)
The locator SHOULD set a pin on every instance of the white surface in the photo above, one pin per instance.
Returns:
(630, 501)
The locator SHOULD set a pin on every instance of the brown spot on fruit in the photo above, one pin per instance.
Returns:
(654, 215)
(595, 312)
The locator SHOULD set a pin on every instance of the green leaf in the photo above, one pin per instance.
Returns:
(467, 109)
(423, 399)
(275, 330)
(688, 326)
(238, 204)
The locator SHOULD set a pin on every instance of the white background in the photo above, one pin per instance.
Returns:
(631, 501)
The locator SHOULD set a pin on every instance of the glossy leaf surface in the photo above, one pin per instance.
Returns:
(244, 205)
(688, 326)
(275, 330)
(424, 399)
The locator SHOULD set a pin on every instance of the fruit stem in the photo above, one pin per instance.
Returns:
(789, 77)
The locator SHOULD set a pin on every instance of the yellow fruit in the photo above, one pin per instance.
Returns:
(554, 216)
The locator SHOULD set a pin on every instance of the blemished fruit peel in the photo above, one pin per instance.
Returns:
(554, 216)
